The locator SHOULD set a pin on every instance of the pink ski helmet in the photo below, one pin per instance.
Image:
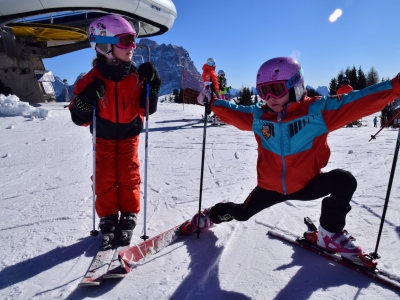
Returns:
(280, 75)
(109, 26)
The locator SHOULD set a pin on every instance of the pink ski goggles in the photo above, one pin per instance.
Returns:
(278, 89)
(275, 89)
(126, 41)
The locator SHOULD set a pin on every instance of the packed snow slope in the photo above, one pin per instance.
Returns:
(46, 213)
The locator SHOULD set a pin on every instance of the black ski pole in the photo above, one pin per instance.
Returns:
(206, 112)
(396, 153)
(94, 232)
(387, 123)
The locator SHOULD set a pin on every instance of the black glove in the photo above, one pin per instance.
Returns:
(93, 91)
(149, 73)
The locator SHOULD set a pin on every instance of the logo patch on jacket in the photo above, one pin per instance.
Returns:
(267, 129)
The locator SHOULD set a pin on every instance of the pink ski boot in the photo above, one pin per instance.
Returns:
(344, 244)
(205, 220)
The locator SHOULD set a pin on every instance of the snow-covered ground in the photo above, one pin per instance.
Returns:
(46, 213)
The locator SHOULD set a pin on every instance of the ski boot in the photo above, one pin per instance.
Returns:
(127, 223)
(215, 120)
(187, 228)
(108, 226)
(345, 245)
(204, 221)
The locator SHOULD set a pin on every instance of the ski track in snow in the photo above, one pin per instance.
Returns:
(46, 214)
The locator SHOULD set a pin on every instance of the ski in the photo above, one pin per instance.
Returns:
(208, 125)
(101, 264)
(134, 254)
(115, 270)
(190, 120)
(98, 268)
(379, 275)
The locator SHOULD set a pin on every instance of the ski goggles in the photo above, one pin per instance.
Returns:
(211, 63)
(123, 41)
(126, 41)
(278, 89)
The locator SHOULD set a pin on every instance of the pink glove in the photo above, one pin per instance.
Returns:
(204, 97)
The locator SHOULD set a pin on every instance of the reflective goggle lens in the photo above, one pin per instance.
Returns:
(276, 90)
(211, 63)
(126, 41)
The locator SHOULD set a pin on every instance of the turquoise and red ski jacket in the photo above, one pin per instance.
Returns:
(292, 144)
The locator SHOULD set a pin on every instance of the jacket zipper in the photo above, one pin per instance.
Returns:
(279, 119)
(116, 107)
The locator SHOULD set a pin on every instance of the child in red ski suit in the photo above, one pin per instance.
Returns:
(114, 88)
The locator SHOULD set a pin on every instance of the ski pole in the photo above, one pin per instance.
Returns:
(206, 110)
(396, 152)
(373, 136)
(145, 237)
(94, 232)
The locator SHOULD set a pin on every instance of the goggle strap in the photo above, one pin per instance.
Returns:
(294, 79)
(100, 39)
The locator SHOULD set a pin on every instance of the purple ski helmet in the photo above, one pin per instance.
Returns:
(110, 25)
(282, 69)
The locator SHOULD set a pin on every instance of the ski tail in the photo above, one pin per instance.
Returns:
(376, 274)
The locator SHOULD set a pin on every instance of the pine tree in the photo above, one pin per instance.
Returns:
(180, 97)
(333, 85)
(361, 80)
(246, 97)
(352, 75)
(176, 95)
(340, 77)
(372, 77)
(312, 93)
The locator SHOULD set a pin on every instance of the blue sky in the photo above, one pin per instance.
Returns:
(241, 35)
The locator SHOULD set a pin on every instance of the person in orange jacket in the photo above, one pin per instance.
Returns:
(210, 81)
(344, 87)
(291, 130)
(114, 89)
(209, 75)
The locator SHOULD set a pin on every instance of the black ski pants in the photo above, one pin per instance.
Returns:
(337, 186)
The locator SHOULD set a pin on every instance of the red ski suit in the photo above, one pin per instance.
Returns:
(119, 122)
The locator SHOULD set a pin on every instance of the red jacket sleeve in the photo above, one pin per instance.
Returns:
(340, 110)
(237, 115)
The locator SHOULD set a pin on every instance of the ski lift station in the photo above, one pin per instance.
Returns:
(37, 29)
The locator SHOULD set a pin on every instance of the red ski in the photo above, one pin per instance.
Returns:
(133, 254)
(379, 275)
